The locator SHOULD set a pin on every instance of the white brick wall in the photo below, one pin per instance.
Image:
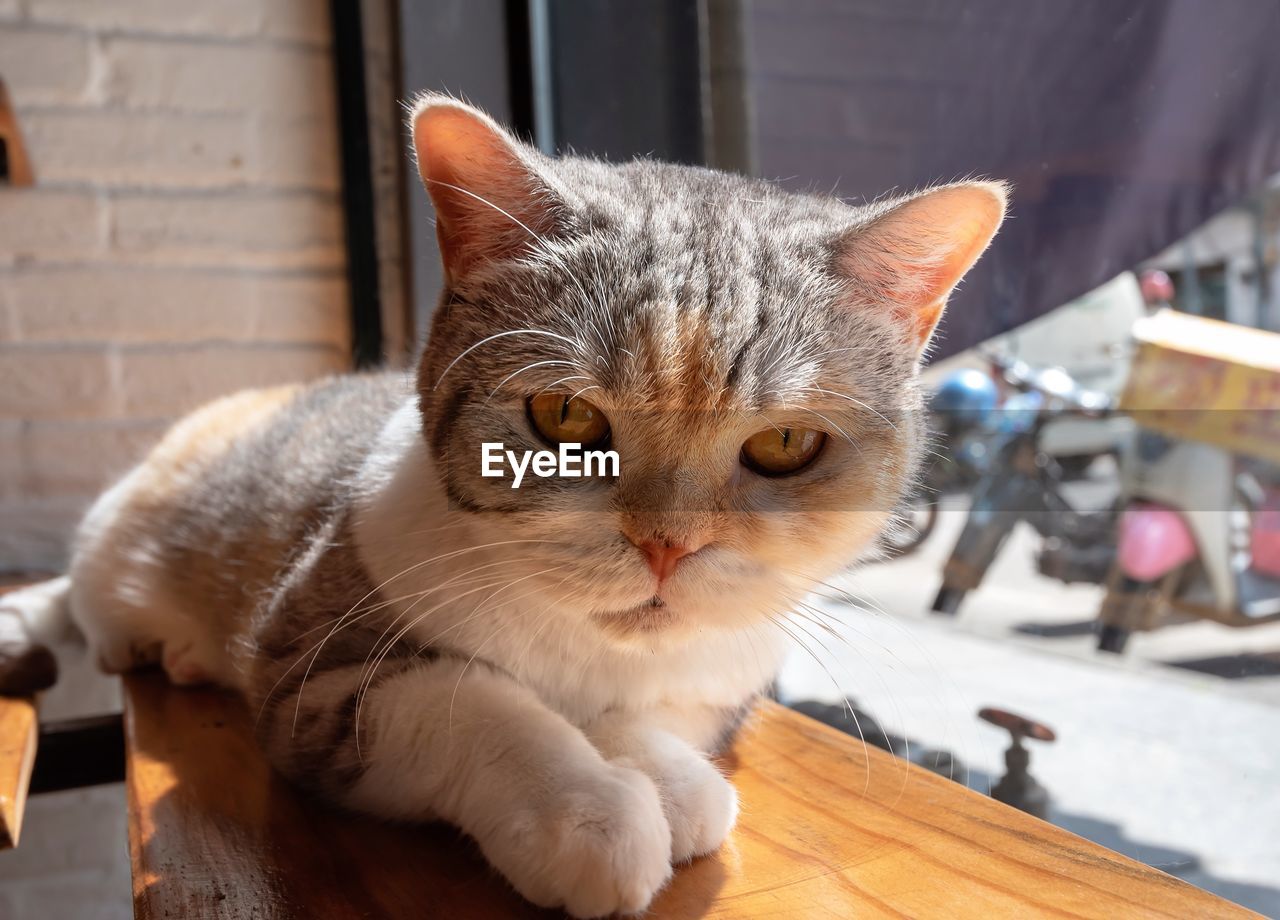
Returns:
(196, 77)
(46, 67)
(174, 150)
(183, 239)
(88, 304)
(297, 21)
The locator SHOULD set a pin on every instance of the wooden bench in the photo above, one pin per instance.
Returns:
(828, 829)
(17, 757)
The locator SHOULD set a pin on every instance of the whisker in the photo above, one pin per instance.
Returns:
(515, 220)
(363, 691)
(555, 383)
(363, 611)
(844, 597)
(855, 401)
(784, 628)
(527, 367)
(320, 645)
(453, 698)
(836, 427)
(815, 618)
(499, 335)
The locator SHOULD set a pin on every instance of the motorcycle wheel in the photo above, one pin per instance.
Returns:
(947, 601)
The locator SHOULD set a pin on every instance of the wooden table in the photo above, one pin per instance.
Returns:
(827, 830)
(18, 737)
(17, 756)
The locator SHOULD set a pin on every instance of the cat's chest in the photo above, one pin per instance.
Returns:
(444, 592)
(579, 676)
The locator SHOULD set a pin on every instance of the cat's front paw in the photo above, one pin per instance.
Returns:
(600, 846)
(702, 807)
(700, 804)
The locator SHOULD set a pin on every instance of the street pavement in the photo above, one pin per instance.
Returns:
(1158, 755)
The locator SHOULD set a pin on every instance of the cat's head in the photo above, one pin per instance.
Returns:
(750, 354)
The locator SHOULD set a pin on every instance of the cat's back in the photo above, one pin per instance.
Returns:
(202, 529)
(271, 460)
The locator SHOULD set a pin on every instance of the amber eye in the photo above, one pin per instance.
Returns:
(777, 451)
(560, 418)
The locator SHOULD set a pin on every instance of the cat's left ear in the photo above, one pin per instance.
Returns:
(493, 195)
(911, 254)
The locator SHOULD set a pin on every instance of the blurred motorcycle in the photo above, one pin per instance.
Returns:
(1090, 337)
(1022, 482)
(1200, 531)
(961, 412)
(1199, 535)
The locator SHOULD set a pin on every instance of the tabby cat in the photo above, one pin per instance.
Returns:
(547, 667)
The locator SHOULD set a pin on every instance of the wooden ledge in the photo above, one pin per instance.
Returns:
(17, 756)
(828, 829)
(19, 725)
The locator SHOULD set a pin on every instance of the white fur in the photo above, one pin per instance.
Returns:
(575, 762)
(570, 667)
(117, 599)
(37, 612)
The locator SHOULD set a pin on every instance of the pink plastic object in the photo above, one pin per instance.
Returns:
(1154, 541)
(1264, 542)
(1157, 287)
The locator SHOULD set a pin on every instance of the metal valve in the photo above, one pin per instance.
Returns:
(1018, 787)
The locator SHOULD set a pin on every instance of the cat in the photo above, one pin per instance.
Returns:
(548, 667)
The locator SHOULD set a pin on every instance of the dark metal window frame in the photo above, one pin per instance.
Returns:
(365, 308)
(610, 78)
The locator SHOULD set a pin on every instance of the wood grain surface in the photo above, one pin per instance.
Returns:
(17, 756)
(19, 728)
(828, 829)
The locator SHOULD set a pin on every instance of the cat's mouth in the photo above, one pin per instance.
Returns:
(650, 616)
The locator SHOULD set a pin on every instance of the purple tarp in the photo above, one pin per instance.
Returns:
(1123, 124)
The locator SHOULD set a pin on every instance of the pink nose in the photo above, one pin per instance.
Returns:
(662, 556)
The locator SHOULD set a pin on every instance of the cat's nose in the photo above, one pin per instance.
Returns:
(663, 556)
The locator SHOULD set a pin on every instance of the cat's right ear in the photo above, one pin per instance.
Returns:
(492, 201)
(909, 256)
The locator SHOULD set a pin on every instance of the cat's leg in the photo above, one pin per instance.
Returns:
(444, 739)
(31, 618)
(125, 605)
(127, 600)
(668, 744)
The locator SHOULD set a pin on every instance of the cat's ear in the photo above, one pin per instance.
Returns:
(910, 256)
(491, 198)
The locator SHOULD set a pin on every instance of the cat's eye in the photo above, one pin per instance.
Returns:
(778, 451)
(568, 419)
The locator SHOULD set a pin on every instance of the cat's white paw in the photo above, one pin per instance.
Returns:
(702, 807)
(700, 804)
(601, 846)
